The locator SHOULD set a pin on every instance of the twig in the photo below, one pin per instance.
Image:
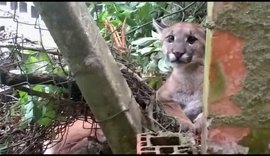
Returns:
(123, 67)
(35, 48)
(14, 80)
(198, 9)
(37, 93)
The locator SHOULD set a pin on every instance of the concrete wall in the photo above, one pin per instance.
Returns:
(28, 20)
(239, 94)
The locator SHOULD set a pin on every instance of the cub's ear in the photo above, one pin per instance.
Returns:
(202, 28)
(201, 31)
(159, 26)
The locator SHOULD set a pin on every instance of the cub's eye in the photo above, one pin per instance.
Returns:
(191, 39)
(170, 38)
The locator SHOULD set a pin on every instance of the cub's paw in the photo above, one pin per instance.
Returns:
(187, 126)
(200, 121)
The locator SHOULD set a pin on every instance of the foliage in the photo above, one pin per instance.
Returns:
(38, 62)
(34, 109)
(143, 42)
(41, 110)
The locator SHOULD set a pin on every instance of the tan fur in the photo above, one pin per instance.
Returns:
(75, 139)
(181, 94)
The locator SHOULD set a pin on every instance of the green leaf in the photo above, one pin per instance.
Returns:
(29, 112)
(39, 88)
(135, 54)
(155, 82)
(31, 59)
(48, 110)
(145, 12)
(142, 41)
(23, 97)
(37, 110)
(22, 94)
(45, 121)
(23, 124)
(157, 49)
(126, 10)
(45, 61)
(30, 64)
(157, 44)
(146, 50)
(131, 22)
(141, 4)
(155, 35)
(44, 57)
(48, 115)
(163, 65)
(157, 56)
(51, 114)
(58, 71)
(116, 22)
(29, 52)
(151, 66)
(133, 4)
(104, 15)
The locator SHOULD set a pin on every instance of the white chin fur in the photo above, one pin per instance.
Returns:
(172, 57)
(185, 57)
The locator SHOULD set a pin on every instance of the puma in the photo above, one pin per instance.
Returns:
(80, 138)
(180, 96)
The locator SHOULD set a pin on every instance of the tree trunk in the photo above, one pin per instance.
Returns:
(95, 71)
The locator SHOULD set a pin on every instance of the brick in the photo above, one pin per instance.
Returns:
(165, 143)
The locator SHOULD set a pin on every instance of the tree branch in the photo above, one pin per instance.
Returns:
(34, 48)
(95, 71)
(43, 95)
(13, 80)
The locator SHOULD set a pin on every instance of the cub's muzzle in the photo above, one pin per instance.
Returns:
(179, 57)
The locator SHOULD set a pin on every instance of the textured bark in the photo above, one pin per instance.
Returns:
(95, 72)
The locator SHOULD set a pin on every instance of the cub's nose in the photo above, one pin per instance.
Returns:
(178, 54)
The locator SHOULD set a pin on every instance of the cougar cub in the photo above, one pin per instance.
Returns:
(181, 95)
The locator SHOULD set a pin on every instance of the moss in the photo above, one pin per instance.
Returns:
(257, 141)
(262, 120)
(217, 87)
(250, 21)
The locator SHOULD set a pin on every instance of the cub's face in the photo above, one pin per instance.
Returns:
(182, 42)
